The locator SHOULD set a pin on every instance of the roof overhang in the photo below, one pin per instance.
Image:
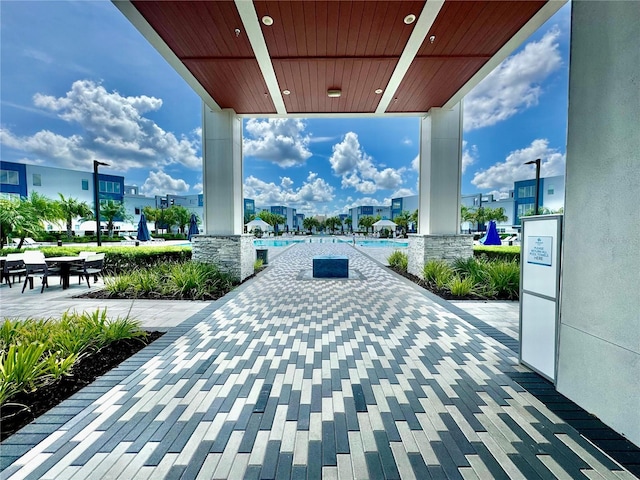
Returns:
(370, 52)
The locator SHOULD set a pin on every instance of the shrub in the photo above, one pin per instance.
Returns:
(508, 253)
(504, 279)
(186, 280)
(438, 273)
(473, 268)
(258, 264)
(461, 287)
(38, 352)
(399, 260)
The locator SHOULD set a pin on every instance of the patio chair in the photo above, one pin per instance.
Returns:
(92, 265)
(36, 270)
(14, 266)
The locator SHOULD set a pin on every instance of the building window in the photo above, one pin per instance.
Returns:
(523, 208)
(9, 196)
(9, 177)
(37, 180)
(528, 191)
(108, 187)
(137, 210)
(85, 184)
(550, 190)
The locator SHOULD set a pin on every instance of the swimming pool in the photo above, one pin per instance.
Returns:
(381, 243)
(272, 242)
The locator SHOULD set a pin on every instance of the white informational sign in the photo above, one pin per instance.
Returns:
(539, 250)
(539, 285)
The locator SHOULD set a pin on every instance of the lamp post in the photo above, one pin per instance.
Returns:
(537, 164)
(96, 196)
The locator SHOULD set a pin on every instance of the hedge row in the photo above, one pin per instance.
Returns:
(121, 259)
(507, 253)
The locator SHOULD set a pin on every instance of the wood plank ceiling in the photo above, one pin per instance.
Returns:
(353, 46)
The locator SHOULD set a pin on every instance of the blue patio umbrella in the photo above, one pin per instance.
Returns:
(143, 230)
(492, 237)
(193, 226)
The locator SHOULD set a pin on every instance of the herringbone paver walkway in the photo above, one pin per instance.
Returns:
(294, 377)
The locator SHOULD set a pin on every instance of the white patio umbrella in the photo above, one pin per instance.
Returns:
(380, 224)
(257, 223)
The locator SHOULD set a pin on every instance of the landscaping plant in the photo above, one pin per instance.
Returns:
(461, 287)
(438, 273)
(39, 352)
(398, 260)
(188, 280)
(503, 279)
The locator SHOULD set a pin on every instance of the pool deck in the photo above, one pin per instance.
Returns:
(294, 377)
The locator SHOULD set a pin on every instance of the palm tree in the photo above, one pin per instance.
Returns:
(402, 220)
(30, 214)
(309, 222)
(349, 222)
(70, 208)
(332, 223)
(367, 222)
(178, 216)
(111, 210)
(414, 218)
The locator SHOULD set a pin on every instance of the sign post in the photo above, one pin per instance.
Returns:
(539, 293)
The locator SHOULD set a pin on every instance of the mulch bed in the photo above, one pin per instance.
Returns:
(26, 407)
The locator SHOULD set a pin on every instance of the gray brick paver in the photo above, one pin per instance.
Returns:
(292, 376)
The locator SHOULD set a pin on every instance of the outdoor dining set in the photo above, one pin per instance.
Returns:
(33, 264)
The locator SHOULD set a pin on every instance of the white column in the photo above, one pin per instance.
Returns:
(222, 172)
(438, 236)
(440, 171)
(599, 347)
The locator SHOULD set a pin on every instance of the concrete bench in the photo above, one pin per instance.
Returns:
(331, 266)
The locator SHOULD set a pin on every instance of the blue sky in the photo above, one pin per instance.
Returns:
(80, 83)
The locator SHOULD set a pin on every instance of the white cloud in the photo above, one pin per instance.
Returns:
(499, 194)
(113, 130)
(407, 141)
(160, 183)
(367, 201)
(313, 190)
(402, 192)
(286, 182)
(469, 155)
(357, 169)
(278, 140)
(514, 85)
(415, 163)
(501, 176)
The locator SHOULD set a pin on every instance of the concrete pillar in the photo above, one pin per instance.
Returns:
(438, 234)
(599, 347)
(223, 242)
(222, 172)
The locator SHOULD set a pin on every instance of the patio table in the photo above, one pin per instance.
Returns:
(65, 263)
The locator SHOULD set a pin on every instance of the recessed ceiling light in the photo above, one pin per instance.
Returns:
(267, 20)
(409, 19)
(334, 92)
(286, 92)
(378, 91)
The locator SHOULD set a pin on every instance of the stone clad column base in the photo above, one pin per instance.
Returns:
(234, 254)
(423, 248)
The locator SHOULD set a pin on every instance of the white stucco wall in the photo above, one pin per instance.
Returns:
(599, 354)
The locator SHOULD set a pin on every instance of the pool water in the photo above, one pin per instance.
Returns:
(361, 243)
